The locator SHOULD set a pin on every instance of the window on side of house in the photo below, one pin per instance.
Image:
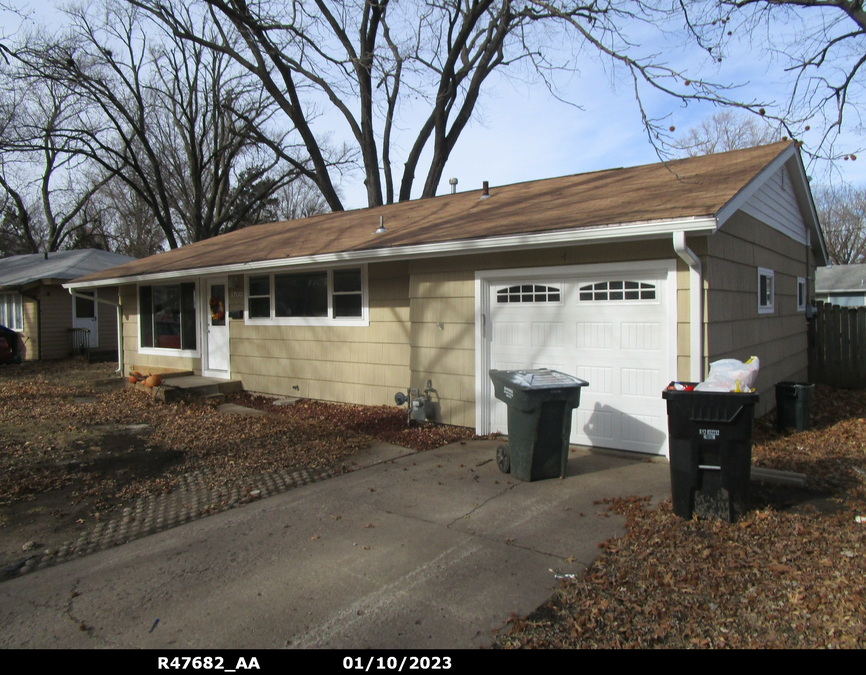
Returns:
(801, 294)
(316, 298)
(766, 291)
(167, 317)
(12, 311)
(259, 296)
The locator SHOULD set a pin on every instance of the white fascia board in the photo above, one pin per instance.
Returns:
(583, 235)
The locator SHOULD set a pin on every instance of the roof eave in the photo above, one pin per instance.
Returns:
(583, 235)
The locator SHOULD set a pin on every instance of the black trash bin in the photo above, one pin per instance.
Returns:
(794, 405)
(11, 338)
(540, 403)
(710, 443)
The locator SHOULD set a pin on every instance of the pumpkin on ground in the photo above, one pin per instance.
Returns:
(153, 381)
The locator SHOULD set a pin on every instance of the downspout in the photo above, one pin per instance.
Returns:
(95, 298)
(696, 307)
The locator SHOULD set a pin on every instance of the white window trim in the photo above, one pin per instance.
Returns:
(766, 308)
(15, 300)
(162, 351)
(363, 320)
(801, 283)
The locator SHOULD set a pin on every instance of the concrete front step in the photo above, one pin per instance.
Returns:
(185, 384)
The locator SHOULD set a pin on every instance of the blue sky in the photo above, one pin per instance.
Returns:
(521, 132)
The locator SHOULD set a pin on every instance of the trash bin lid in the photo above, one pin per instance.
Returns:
(538, 378)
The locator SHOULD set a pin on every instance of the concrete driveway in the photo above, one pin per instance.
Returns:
(412, 550)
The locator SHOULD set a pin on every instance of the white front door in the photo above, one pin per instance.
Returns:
(216, 352)
(84, 315)
(611, 325)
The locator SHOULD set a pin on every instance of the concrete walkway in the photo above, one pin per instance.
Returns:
(411, 550)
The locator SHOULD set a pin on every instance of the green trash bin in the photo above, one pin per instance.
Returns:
(794, 405)
(540, 403)
(710, 451)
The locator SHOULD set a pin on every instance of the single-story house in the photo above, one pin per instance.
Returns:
(841, 285)
(628, 278)
(50, 322)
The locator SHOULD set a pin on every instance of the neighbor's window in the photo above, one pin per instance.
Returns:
(11, 311)
(317, 296)
(766, 292)
(166, 316)
(801, 294)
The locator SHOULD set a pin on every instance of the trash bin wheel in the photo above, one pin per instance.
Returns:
(503, 458)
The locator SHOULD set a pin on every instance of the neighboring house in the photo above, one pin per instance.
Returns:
(628, 278)
(841, 285)
(34, 303)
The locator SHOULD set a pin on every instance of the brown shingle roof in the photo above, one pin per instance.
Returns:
(693, 187)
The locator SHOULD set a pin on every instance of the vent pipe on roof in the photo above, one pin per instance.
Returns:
(453, 183)
(45, 255)
(485, 191)
(381, 227)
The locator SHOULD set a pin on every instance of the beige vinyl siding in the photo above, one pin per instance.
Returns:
(349, 364)
(28, 343)
(443, 341)
(107, 319)
(735, 329)
(698, 245)
(55, 306)
(131, 357)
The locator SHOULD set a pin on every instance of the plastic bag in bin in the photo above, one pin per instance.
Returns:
(731, 375)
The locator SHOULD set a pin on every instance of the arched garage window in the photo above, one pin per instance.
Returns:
(617, 290)
(528, 293)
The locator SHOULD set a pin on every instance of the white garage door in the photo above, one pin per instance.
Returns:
(613, 326)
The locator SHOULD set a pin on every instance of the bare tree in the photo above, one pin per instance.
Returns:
(726, 130)
(819, 42)
(181, 126)
(300, 199)
(45, 184)
(127, 222)
(842, 212)
(371, 61)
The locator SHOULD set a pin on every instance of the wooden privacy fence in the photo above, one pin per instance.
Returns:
(837, 346)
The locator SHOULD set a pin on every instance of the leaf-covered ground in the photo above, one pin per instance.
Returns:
(53, 432)
(777, 578)
(780, 577)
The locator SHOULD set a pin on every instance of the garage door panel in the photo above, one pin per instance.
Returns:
(595, 423)
(594, 335)
(640, 336)
(620, 344)
(600, 378)
(640, 382)
(548, 334)
(508, 333)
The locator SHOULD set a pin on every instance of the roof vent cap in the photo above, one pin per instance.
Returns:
(381, 229)
(485, 191)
